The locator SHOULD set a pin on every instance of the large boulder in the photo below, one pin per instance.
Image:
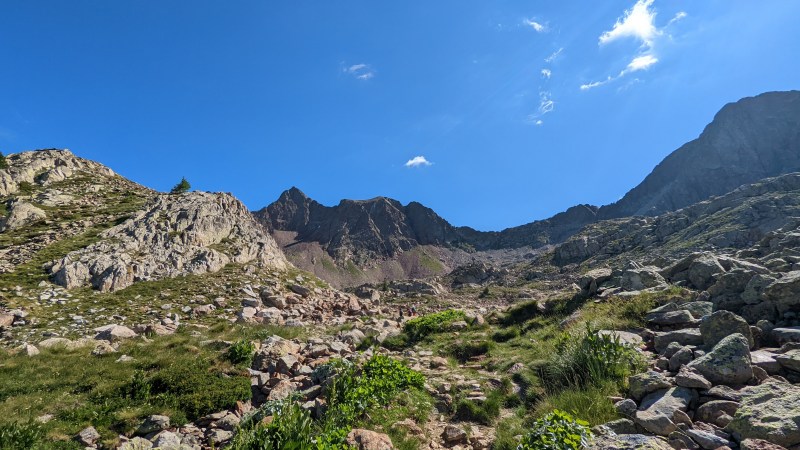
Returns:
(658, 408)
(769, 411)
(639, 278)
(21, 214)
(721, 324)
(689, 336)
(783, 292)
(727, 363)
(368, 440)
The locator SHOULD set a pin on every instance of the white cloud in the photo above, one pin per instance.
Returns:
(679, 16)
(640, 63)
(546, 103)
(553, 55)
(538, 123)
(547, 73)
(638, 22)
(539, 27)
(360, 71)
(418, 161)
(594, 84)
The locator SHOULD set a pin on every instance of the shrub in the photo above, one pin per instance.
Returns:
(464, 350)
(241, 352)
(25, 188)
(397, 342)
(195, 389)
(505, 335)
(419, 328)
(557, 431)
(484, 412)
(15, 436)
(591, 359)
(181, 187)
(3, 162)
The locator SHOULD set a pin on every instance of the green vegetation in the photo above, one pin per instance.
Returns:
(557, 431)
(173, 375)
(15, 436)
(464, 350)
(25, 188)
(3, 162)
(182, 187)
(241, 353)
(590, 359)
(354, 393)
(420, 327)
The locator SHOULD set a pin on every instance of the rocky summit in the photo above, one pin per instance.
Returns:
(748, 142)
(135, 319)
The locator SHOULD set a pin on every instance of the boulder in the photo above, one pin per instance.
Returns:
(721, 324)
(113, 333)
(644, 383)
(21, 214)
(689, 336)
(790, 360)
(368, 440)
(783, 292)
(786, 334)
(453, 435)
(727, 363)
(769, 411)
(640, 278)
(657, 409)
(628, 442)
(88, 436)
(759, 444)
(691, 378)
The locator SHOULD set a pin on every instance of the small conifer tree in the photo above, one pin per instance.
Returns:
(3, 162)
(181, 187)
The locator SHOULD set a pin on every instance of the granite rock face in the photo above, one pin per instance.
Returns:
(44, 167)
(174, 235)
(769, 411)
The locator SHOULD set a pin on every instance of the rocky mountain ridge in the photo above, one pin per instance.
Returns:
(747, 141)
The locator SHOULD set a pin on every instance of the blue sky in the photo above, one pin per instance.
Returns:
(493, 113)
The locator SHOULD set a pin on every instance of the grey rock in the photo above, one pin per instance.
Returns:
(681, 357)
(769, 411)
(645, 383)
(691, 378)
(727, 363)
(790, 360)
(21, 214)
(88, 436)
(657, 409)
(721, 324)
(689, 336)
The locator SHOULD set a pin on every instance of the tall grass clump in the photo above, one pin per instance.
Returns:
(590, 359)
(15, 436)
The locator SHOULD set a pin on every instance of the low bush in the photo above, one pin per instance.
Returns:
(590, 359)
(419, 328)
(483, 412)
(352, 392)
(14, 436)
(464, 350)
(556, 431)
(505, 335)
(397, 342)
(241, 352)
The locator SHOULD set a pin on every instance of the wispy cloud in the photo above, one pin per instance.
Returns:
(418, 161)
(637, 22)
(546, 103)
(547, 73)
(360, 71)
(640, 63)
(554, 55)
(538, 26)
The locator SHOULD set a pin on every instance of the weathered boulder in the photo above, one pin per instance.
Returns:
(769, 411)
(721, 324)
(628, 442)
(657, 409)
(783, 292)
(644, 383)
(688, 336)
(114, 333)
(640, 278)
(691, 378)
(790, 360)
(20, 215)
(727, 363)
(368, 440)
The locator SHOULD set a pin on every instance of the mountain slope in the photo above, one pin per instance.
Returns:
(749, 140)
(754, 138)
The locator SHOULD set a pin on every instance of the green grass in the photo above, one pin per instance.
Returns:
(172, 375)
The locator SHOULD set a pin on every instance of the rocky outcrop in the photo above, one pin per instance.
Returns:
(753, 138)
(770, 411)
(174, 235)
(20, 215)
(44, 167)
